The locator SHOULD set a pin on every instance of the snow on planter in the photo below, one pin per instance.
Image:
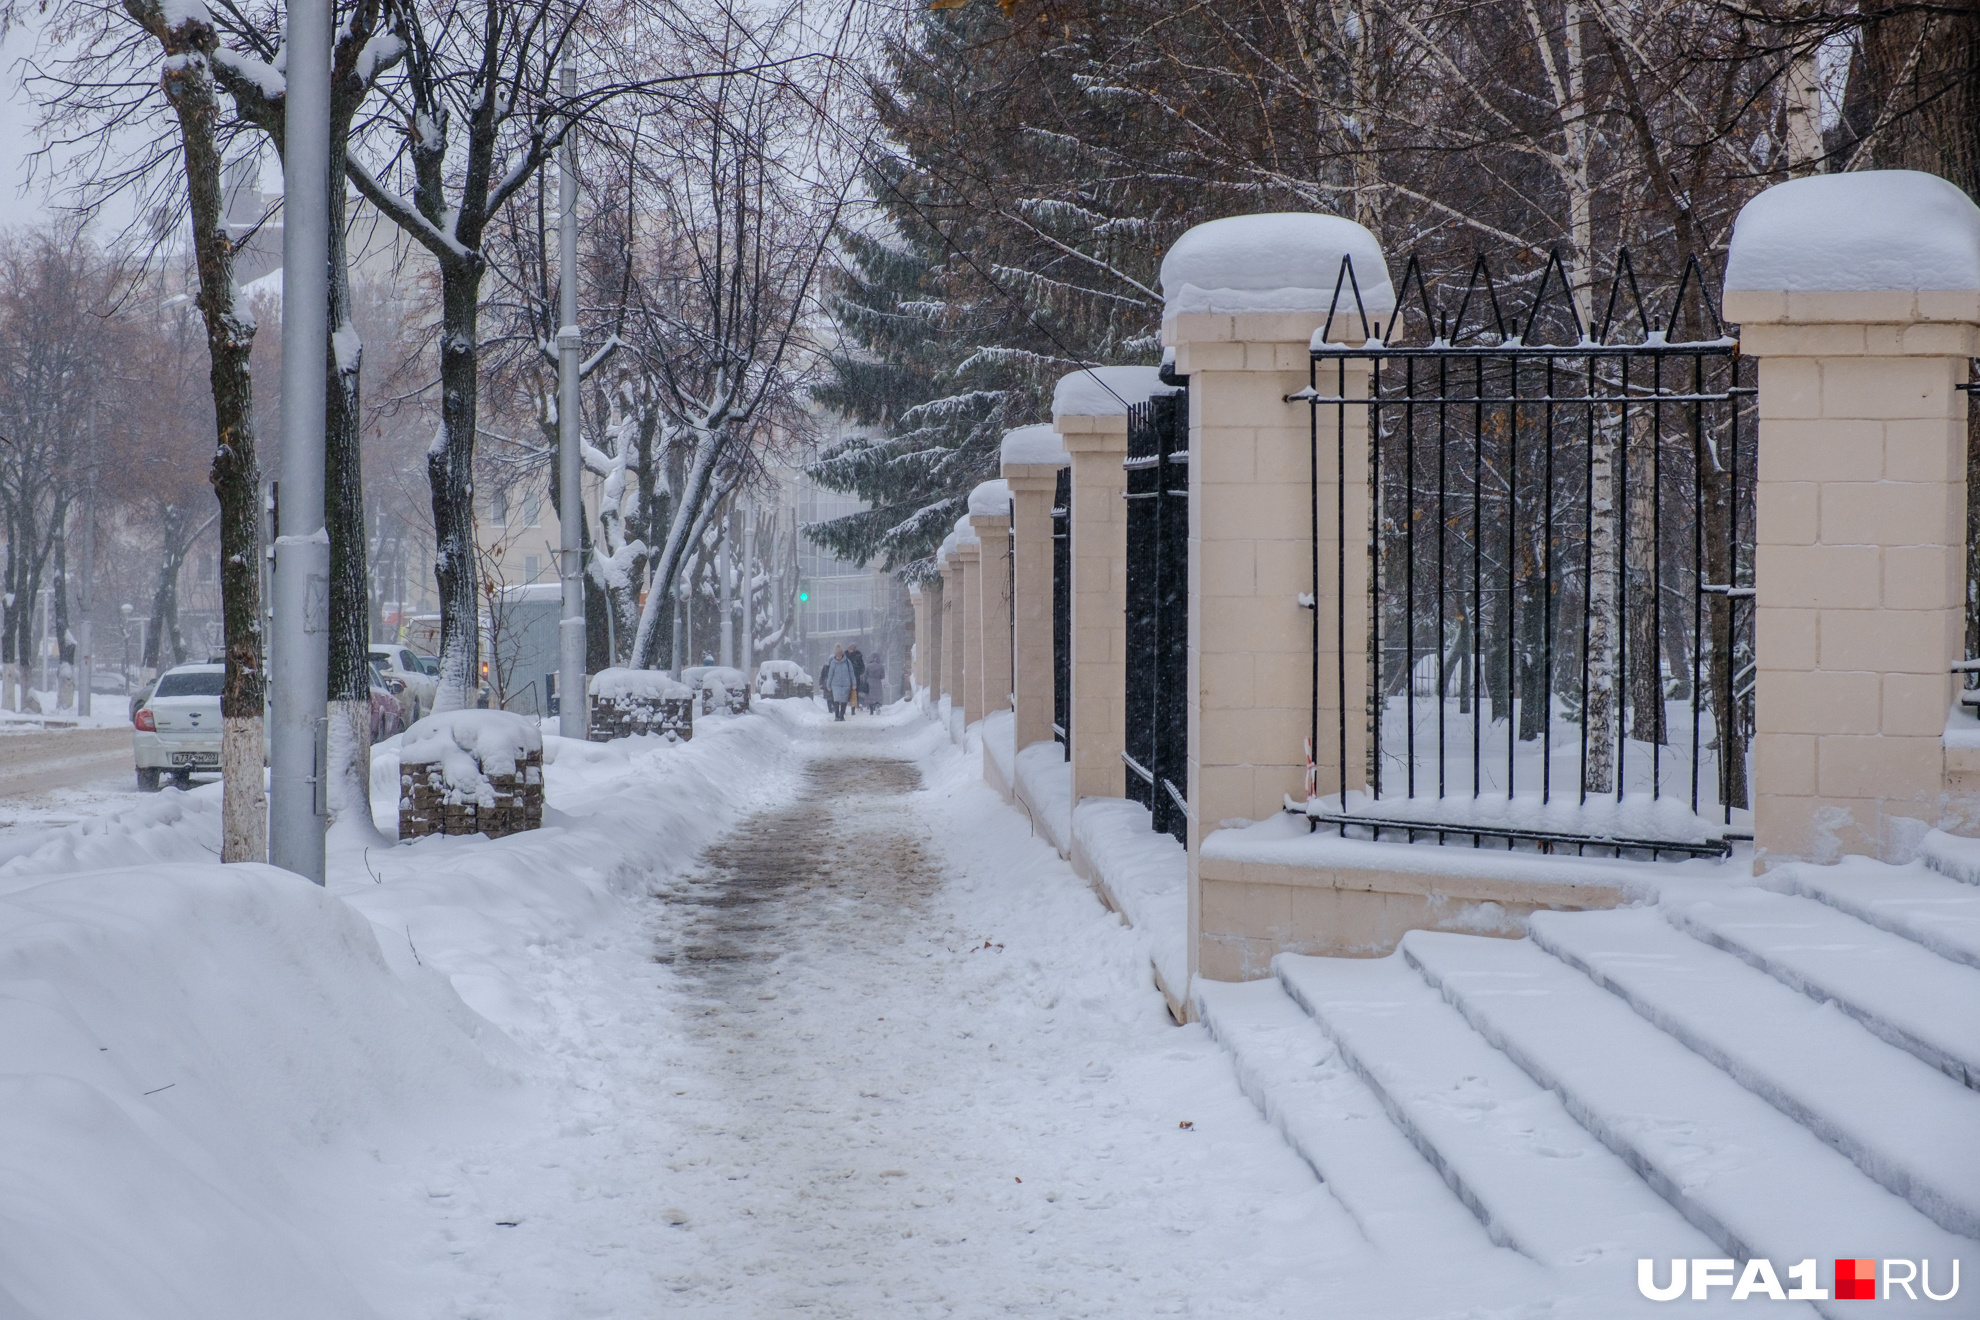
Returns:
(629, 701)
(1874, 230)
(1284, 262)
(471, 772)
(1104, 392)
(720, 688)
(1039, 444)
(777, 679)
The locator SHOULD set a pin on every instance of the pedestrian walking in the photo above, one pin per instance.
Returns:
(859, 676)
(839, 681)
(876, 680)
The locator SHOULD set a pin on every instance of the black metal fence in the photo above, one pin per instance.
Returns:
(1156, 749)
(1559, 568)
(1062, 611)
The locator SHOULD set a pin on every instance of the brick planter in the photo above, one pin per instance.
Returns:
(625, 702)
(778, 679)
(471, 772)
(718, 688)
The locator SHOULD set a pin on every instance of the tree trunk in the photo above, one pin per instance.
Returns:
(236, 469)
(348, 792)
(1599, 713)
(450, 473)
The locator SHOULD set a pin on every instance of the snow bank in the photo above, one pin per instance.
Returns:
(227, 1092)
(636, 685)
(1038, 444)
(1285, 262)
(1106, 391)
(1143, 874)
(991, 499)
(176, 1039)
(1878, 229)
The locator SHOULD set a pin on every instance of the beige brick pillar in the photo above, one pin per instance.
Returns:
(969, 625)
(1098, 524)
(1032, 457)
(918, 605)
(1252, 546)
(951, 628)
(990, 519)
(1859, 567)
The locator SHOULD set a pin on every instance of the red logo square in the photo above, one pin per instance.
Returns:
(1856, 1280)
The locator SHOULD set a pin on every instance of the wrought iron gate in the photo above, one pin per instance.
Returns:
(1156, 748)
(1062, 611)
(1559, 569)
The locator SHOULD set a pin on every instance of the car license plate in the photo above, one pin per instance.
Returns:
(197, 760)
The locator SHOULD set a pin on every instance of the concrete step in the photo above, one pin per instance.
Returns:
(1301, 1082)
(1754, 1180)
(1533, 1176)
(1919, 1002)
(1899, 1120)
(1916, 901)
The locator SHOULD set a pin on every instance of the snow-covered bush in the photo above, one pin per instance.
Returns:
(471, 772)
(629, 701)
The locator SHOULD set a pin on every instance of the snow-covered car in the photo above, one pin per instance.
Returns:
(177, 727)
(401, 665)
(782, 678)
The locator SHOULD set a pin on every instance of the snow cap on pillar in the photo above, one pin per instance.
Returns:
(1282, 262)
(964, 536)
(1873, 231)
(1105, 391)
(1039, 445)
(991, 499)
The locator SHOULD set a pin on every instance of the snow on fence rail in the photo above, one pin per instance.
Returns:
(471, 772)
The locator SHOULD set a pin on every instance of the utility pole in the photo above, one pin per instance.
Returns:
(749, 590)
(85, 598)
(572, 698)
(300, 645)
(725, 591)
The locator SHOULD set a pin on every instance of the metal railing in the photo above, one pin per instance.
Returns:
(1156, 742)
(1558, 590)
(1062, 611)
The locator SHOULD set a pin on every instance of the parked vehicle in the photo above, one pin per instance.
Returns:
(400, 664)
(389, 703)
(177, 727)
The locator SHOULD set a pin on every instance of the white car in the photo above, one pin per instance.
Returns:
(178, 727)
(422, 686)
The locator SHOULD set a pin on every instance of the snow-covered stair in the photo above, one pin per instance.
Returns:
(1783, 1072)
(1938, 911)
(1302, 1084)
(1533, 1175)
(1929, 1006)
(1904, 1123)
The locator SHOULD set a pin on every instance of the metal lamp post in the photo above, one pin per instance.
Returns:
(571, 695)
(299, 669)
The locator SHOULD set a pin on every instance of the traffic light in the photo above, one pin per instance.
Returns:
(804, 593)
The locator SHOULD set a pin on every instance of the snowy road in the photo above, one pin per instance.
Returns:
(882, 1054)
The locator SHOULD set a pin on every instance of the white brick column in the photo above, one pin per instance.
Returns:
(951, 628)
(1032, 457)
(918, 604)
(1859, 566)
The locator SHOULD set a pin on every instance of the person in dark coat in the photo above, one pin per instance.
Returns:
(838, 680)
(859, 676)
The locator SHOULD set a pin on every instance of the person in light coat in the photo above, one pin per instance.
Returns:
(838, 680)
